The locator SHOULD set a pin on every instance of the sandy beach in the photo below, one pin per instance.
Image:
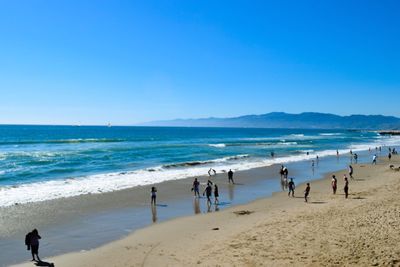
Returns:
(278, 231)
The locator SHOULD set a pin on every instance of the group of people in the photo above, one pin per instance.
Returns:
(345, 188)
(208, 191)
(292, 187)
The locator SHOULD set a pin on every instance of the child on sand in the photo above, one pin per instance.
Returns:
(307, 192)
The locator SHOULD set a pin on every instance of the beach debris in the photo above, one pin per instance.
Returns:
(215, 229)
(243, 212)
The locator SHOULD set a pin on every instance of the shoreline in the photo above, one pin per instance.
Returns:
(184, 221)
(242, 239)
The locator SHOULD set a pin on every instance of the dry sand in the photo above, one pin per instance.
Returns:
(330, 230)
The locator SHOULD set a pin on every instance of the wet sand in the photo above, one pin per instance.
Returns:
(330, 230)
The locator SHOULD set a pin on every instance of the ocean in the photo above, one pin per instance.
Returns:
(47, 162)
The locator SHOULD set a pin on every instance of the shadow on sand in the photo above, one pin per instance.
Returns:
(317, 202)
(44, 263)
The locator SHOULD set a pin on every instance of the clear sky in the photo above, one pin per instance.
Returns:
(94, 62)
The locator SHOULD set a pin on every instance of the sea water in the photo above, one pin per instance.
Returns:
(47, 162)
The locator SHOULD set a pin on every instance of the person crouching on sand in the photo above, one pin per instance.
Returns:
(346, 187)
(307, 192)
(334, 184)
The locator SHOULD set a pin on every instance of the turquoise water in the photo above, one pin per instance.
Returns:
(63, 161)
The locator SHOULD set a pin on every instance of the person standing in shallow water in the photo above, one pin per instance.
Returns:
(291, 187)
(282, 172)
(34, 244)
(374, 159)
(195, 188)
(153, 195)
(307, 192)
(216, 194)
(346, 187)
(208, 192)
(334, 184)
(230, 177)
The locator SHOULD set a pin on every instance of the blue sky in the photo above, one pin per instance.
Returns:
(94, 62)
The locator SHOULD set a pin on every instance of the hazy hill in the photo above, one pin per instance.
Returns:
(285, 120)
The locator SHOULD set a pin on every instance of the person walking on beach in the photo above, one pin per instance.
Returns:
(390, 156)
(337, 153)
(307, 192)
(291, 187)
(153, 195)
(230, 177)
(195, 188)
(334, 184)
(281, 172)
(355, 157)
(32, 242)
(208, 192)
(374, 159)
(285, 172)
(216, 194)
(346, 187)
(351, 172)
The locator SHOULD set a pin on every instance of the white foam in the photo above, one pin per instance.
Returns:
(218, 145)
(101, 183)
(330, 134)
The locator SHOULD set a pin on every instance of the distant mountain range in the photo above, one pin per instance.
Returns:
(307, 120)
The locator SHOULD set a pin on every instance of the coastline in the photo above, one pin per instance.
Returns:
(157, 243)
